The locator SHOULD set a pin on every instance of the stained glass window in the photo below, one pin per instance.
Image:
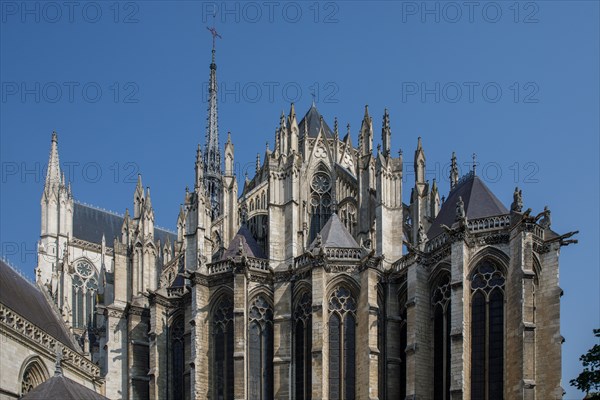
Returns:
(177, 357)
(260, 350)
(487, 332)
(342, 345)
(302, 347)
(84, 284)
(222, 332)
(320, 202)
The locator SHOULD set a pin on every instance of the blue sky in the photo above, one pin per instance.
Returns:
(124, 86)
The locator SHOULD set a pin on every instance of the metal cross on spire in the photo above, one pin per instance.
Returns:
(215, 34)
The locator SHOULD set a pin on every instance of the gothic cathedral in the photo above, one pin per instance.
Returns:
(316, 282)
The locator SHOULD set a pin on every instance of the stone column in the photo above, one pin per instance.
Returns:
(460, 323)
(367, 353)
(320, 361)
(117, 375)
(282, 339)
(547, 317)
(514, 363)
(419, 365)
(158, 351)
(240, 332)
(200, 339)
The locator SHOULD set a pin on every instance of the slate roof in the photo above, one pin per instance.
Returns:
(27, 300)
(63, 388)
(335, 234)
(479, 202)
(89, 223)
(313, 121)
(249, 244)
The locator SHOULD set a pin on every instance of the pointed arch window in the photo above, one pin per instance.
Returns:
(177, 342)
(222, 336)
(320, 202)
(487, 332)
(302, 347)
(440, 300)
(342, 345)
(84, 286)
(33, 374)
(260, 350)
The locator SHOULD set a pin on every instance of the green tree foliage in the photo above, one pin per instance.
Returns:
(589, 380)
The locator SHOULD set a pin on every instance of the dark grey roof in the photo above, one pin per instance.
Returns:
(479, 202)
(89, 223)
(63, 388)
(27, 300)
(251, 248)
(335, 234)
(313, 122)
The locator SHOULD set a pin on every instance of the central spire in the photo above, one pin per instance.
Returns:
(212, 153)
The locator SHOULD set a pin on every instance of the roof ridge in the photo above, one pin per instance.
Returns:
(98, 208)
(116, 214)
(18, 271)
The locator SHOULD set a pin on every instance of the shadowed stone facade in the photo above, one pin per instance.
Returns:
(317, 281)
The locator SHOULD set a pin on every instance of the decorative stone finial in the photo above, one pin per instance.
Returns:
(517, 204)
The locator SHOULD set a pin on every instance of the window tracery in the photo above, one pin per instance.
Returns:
(84, 282)
(33, 375)
(260, 349)
(342, 344)
(222, 331)
(320, 202)
(178, 357)
(487, 332)
(303, 346)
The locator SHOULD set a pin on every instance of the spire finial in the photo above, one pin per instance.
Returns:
(386, 133)
(53, 173)
(453, 171)
(335, 127)
(474, 163)
(215, 35)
